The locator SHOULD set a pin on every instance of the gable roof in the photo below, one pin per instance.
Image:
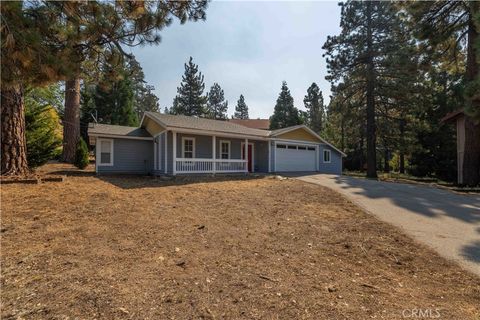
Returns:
(170, 122)
(95, 129)
(263, 124)
(452, 115)
(278, 132)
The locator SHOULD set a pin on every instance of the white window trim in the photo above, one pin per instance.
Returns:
(193, 146)
(99, 152)
(229, 149)
(329, 156)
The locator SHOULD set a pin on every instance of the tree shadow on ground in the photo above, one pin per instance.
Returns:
(137, 181)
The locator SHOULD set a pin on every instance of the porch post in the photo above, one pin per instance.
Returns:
(174, 148)
(165, 136)
(214, 154)
(155, 151)
(246, 155)
(269, 155)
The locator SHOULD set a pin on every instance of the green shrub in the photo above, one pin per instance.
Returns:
(81, 155)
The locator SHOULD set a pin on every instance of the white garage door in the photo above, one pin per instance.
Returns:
(291, 157)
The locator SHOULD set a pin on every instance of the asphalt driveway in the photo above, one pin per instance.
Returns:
(447, 222)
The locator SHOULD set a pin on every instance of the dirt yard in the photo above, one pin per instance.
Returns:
(258, 248)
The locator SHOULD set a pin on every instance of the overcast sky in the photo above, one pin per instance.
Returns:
(249, 48)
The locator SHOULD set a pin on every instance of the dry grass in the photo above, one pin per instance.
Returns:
(139, 248)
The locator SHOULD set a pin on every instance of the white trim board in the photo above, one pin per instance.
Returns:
(98, 151)
(253, 154)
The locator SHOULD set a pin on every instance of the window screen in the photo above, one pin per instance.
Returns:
(225, 150)
(105, 152)
(188, 148)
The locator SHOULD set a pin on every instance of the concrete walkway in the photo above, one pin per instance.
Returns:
(447, 222)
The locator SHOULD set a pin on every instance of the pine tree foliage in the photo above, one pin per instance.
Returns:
(144, 96)
(313, 102)
(454, 27)
(241, 109)
(46, 41)
(190, 100)
(363, 62)
(42, 122)
(217, 107)
(285, 114)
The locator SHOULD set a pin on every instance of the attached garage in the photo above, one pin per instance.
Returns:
(295, 157)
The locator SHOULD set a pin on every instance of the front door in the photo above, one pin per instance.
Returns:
(250, 156)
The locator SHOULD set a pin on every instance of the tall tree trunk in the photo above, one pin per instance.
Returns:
(402, 146)
(14, 144)
(471, 156)
(71, 122)
(371, 134)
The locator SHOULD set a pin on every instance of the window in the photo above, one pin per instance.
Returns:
(302, 148)
(281, 146)
(311, 148)
(292, 147)
(188, 147)
(105, 152)
(224, 149)
(326, 156)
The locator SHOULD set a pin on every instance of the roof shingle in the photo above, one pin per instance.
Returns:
(186, 122)
(108, 129)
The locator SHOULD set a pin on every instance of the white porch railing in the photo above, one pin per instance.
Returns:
(195, 165)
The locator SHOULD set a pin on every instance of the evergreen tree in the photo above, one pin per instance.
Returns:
(359, 53)
(313, 102)
(166, 110)
(144, 96)
(190, 100)
(285, 114)
(453, 27)
(43, 128)
(114, 103)
(241, 109)
(81, 154)
(216, 105)
(44, 41)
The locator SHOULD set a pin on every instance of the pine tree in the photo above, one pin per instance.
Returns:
(45, 41)
(357, 56)
(241, 109)
(190, 100)
(43, 128)
(447, 25)
(313, 102)
(144, 96)
(216, 105)
(285, 114)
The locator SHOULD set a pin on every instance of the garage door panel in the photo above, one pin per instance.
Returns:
(295, 158)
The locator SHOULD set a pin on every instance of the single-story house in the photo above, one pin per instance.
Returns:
(176, 144)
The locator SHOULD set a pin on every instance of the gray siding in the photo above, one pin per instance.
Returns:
(203, 145)
(130, 156)
(335, 165)
(261, 156)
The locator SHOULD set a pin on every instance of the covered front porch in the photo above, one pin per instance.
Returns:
(181, 152)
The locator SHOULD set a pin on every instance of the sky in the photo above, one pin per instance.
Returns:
(248, 48)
